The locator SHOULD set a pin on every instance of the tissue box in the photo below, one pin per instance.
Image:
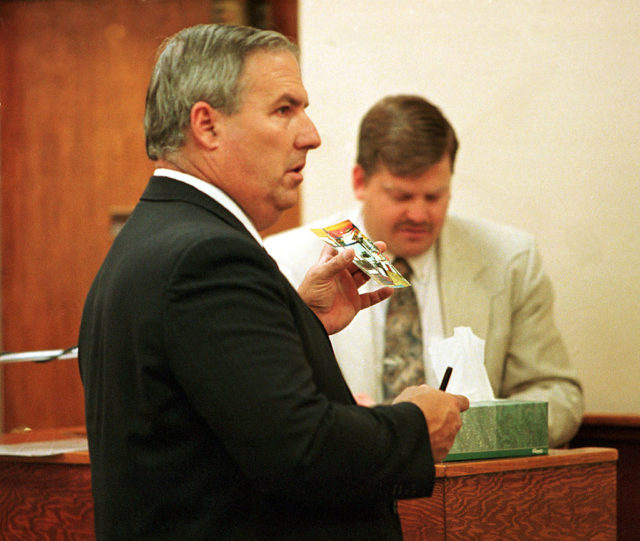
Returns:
(502, 428)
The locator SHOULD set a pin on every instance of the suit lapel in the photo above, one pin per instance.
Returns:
(465, 301)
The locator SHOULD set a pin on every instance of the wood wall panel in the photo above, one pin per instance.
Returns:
(73, 80)
(536, 504)
(36, 500)
(565, 495)
(621, 432)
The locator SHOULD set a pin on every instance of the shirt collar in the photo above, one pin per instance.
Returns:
(216, 194)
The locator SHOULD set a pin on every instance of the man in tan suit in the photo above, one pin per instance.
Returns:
(471, 273)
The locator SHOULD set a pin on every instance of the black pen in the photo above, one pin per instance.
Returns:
(445, 378)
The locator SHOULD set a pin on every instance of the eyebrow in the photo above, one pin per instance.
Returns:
(392, 188)
(292, 100)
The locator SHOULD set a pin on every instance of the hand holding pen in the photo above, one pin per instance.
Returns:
(441, 411)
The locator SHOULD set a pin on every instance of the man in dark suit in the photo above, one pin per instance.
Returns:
(215, 407)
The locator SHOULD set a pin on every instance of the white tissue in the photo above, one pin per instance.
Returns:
(464, 352)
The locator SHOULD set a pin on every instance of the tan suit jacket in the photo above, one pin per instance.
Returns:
(491, 280)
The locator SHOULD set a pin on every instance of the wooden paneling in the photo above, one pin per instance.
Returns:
(424, 518)
(568, 495)
(284, 15)
(72, 146)
(45, 497)
(73, 79)
(621, 432)
(541, 504)
(38, 500)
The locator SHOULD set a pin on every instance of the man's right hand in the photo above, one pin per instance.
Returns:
(330, 288)
(442, 412)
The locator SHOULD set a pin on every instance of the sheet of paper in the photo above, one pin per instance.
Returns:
(368, 258)
(39, 356)
(44, 448)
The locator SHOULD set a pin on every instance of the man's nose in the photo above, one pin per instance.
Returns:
(417, 212)
(308, 136)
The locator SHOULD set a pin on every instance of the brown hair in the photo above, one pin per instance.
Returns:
(406, 134)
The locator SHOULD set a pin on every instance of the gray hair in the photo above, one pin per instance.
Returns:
(200, 63)
(406, 134)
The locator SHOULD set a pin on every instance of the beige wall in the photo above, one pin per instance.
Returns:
(545, 97)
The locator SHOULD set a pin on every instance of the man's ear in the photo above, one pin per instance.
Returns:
(358, 178)
(204, 120)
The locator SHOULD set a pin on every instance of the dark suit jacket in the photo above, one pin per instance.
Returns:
(215, 406)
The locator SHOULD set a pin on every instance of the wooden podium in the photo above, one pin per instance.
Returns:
(570, 494)
(46, 498)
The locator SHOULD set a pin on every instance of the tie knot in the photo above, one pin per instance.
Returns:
(403, 267)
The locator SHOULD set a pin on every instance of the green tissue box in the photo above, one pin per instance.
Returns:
(502, 428)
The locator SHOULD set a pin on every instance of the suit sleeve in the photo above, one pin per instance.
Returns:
(537, 366)
(251, 358)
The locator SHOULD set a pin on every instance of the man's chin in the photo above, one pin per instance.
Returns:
(286, 198)
(270, 217)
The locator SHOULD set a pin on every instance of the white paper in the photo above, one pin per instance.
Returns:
(464, 352)
(39, 356)
(44, 448)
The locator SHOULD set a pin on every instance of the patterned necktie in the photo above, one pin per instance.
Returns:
(403, 364)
